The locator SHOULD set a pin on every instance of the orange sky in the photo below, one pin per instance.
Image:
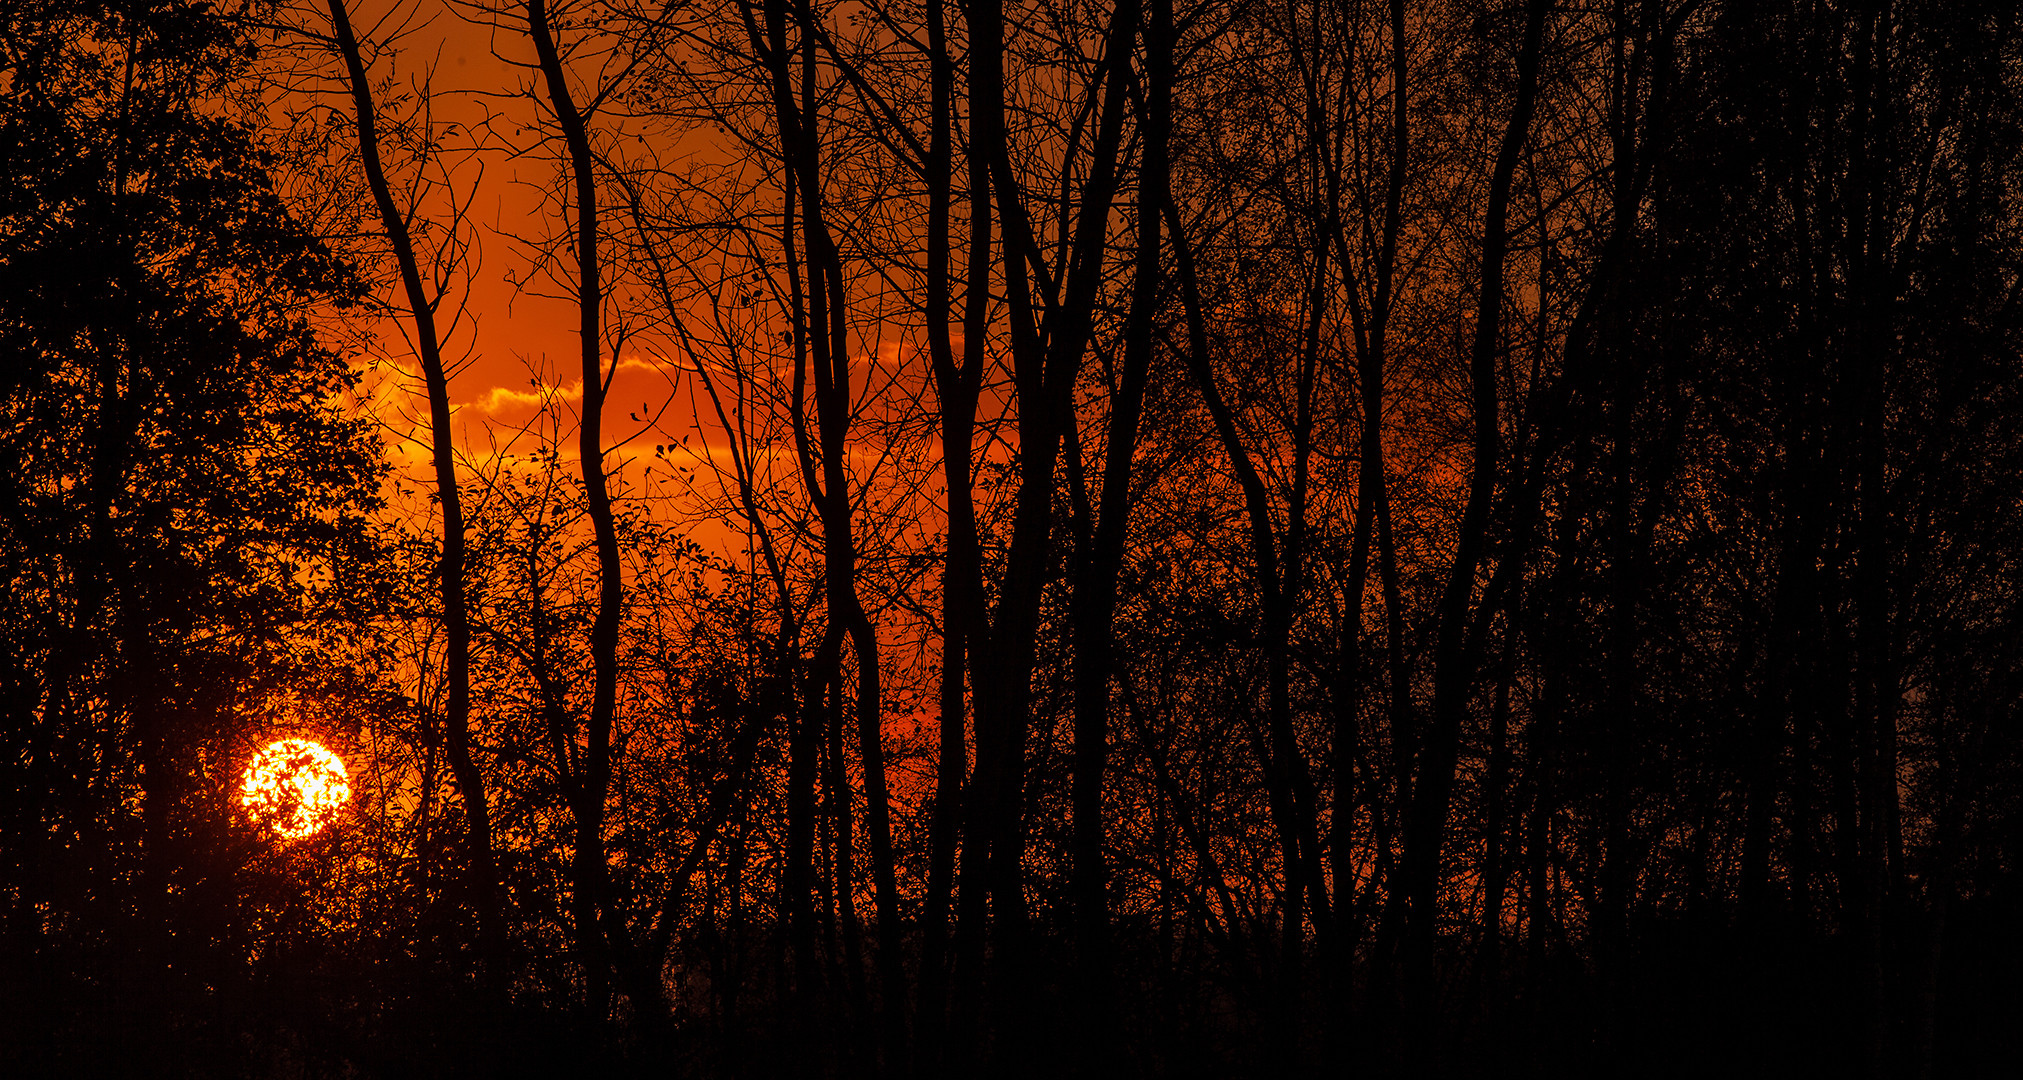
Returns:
(509, 332)
(512, 327)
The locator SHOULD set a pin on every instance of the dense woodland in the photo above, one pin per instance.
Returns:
(1167, 538)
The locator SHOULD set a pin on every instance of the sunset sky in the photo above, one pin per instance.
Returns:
(515, 329)
(1269, 541)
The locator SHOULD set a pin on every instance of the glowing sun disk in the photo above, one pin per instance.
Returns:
(294, 787)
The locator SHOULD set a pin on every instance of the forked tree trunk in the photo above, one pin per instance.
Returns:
(1046, 356)
(957, 388)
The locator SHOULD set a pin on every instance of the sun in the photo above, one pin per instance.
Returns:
(294, 787)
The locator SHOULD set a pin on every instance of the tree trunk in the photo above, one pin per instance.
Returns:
(1095, 587)
(1284, 768)
(957, 389)
(594, 915)
(1454, 662)
(1371, 326)
(1046, 359)
(484, 883)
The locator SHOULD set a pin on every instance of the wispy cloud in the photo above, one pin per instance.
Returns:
(500, 399)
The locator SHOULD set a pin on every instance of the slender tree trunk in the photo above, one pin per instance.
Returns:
(1095, 595)
(803, 751)
(828, 338)
(800, 882)
(964, 570)
(595, 917)
(1371, 328)
(1281, 760)
(1046, 360)
(1453, 678)
(984, 898)
(1495, 875)
(842, 826)
(957, 389)
(484, 883)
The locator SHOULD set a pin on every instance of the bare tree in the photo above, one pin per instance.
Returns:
(421, 310)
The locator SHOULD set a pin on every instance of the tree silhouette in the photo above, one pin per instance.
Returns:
(185, 511)
(1212, 539)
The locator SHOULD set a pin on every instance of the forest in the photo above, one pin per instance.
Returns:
(1089, 538)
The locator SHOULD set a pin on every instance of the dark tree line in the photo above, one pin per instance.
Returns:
(1167, 539)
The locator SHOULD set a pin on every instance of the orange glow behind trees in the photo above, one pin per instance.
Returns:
(294, 787)
(890, 540)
